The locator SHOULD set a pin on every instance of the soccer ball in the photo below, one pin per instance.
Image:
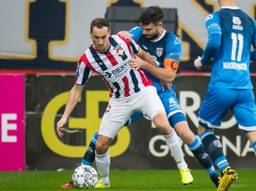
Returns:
(85, 177)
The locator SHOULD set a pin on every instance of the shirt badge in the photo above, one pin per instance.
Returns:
(159, 52)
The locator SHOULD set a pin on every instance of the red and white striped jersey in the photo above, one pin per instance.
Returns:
(114, 67)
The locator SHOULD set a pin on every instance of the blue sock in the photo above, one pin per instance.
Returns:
(214, 149)
(89, 155)
(253, 145)
(198, 150)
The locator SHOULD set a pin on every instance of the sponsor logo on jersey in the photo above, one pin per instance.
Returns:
(237, 23)
(177, 41)
(209, 17)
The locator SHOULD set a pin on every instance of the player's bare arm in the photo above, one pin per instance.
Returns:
(73, 98)
(166, 74)
(146, 57)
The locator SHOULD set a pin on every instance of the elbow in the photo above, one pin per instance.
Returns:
(214, 45)
(214, 42)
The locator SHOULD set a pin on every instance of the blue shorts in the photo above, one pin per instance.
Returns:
(219, 101)
(172, 107)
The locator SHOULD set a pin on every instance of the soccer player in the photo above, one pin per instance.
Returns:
(130, 90)
(231, 32)
(166, 48)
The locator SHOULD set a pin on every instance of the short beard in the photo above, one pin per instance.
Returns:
(153, 37)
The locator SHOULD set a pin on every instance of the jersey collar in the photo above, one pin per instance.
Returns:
(227, 7)
(160, 37)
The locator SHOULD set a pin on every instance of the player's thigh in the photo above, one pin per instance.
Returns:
(172, 108)
(149, 102)
(215, 105)
(115, 116)
(245, 110)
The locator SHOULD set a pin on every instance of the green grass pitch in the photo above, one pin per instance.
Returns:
(123, 180)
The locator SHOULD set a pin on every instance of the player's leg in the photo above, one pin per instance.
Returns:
(172, 107)
(177, 120)
(252, 137)
(154, 110)
(196, 147)
(89, 155)
(245, 114)
(88, 158)
(114, 118)
(212, 110)
(102, 160)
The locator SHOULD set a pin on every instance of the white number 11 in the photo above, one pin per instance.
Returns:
(236, 54)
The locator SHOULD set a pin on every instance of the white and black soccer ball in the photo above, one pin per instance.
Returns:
(85, 177)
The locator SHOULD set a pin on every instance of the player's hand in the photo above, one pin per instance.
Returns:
(137, 63)
(60, 125)
(197, 63)
(167, 85)
(125, 34)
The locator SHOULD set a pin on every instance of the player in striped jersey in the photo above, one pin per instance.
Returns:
(130, 91)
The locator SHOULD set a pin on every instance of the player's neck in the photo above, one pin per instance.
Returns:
(228, 3)
(102, 51)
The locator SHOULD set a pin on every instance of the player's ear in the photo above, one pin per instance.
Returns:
(161, 24)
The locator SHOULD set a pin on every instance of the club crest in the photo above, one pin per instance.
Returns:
(120, 51)
(159, 52)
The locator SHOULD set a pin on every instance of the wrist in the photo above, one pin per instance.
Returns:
(203, 60)
(65, 116)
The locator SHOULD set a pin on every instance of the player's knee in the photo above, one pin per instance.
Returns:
(162, 123)
(102, 145)
(200, 129)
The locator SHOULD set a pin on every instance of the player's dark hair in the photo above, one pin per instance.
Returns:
(99, 23)
(152, 14)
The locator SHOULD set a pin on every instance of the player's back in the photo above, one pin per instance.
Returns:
(232, 60)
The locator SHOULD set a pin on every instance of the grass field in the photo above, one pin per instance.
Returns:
(125, 180)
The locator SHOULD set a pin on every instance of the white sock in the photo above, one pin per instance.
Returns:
(174, 145)
(103, 165)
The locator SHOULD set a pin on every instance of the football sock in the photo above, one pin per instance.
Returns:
(89, 155)
(198, 150)
(214, 149)
(174, 145)
(103, 165)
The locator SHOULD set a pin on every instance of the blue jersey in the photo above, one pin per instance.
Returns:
(231, 32)
(168, 45)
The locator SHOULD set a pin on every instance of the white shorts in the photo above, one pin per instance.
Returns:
(119, 110)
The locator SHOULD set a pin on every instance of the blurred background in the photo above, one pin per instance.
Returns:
(40, 43)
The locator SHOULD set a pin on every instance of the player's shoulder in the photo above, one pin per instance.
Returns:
(212, 16)
(136, 32)
(87, 55)
(118, 38)
(87, 51)
(173, 38)
(115, 37)
(136, 29)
